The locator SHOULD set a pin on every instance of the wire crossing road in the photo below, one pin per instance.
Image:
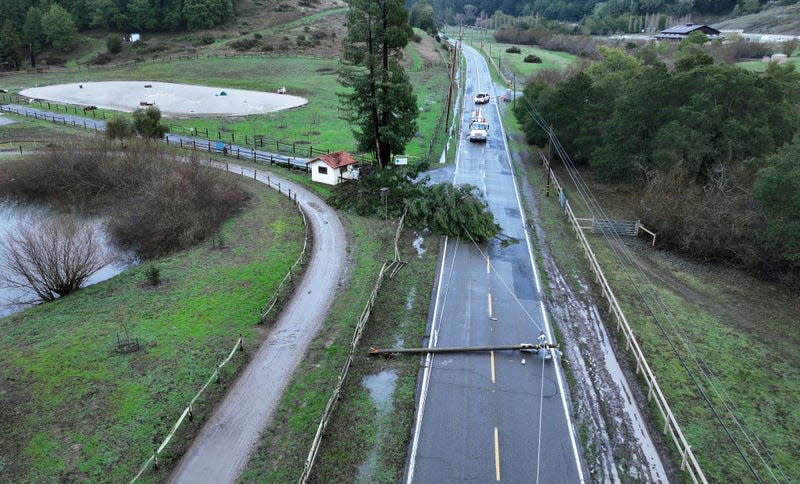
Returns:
(489, 417)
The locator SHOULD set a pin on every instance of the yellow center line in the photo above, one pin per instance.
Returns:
(496, 455)
(488, 265)
(489, 298)
(491, 359)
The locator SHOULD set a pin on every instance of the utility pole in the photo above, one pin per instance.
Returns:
(454, 57)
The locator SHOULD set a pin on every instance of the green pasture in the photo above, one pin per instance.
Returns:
(742, 330)
(515, 62)
(485, 43)
(30, 133)
(759, 66)
(73, 409)
(317, 125)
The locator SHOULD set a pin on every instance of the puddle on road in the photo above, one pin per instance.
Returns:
(381, 387)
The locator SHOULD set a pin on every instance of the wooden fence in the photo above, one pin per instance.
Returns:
(630, 228)
(52, 106)
(187, 412)
(228, 139)
(654, 393)
(288, 279)
(389, 268)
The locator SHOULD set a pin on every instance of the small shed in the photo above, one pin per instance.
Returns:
(332, 168)
(680, 32)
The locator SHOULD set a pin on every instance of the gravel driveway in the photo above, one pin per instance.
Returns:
(222, 449)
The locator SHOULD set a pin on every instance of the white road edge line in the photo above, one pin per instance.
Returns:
(496, 455)
(426, 374)
(545, 319)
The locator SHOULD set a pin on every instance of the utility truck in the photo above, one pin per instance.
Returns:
(478, 127)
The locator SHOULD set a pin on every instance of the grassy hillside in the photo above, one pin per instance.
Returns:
(74, 409)
(778, 19)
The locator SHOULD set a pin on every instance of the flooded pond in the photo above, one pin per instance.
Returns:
(11, 215)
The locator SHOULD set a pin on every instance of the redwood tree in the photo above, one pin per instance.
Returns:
(381, 105)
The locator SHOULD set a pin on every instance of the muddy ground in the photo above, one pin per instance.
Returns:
(611, 415)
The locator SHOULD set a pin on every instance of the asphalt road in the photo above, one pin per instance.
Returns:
(490, 417)
(59, 118)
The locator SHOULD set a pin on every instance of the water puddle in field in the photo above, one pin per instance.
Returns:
(13, 299)
(381, 387)
(419, 245)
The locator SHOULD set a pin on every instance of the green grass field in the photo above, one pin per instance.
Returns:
(759, 66)
(73, 409)
(318, 124)
(742, 329)
(514, 63)
(400, 312)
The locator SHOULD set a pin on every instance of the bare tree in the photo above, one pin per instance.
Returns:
(51, 257)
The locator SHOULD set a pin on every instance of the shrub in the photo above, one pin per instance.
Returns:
(156, 204)
(113, 44)
(147, 122)
(245, 43)
(52, 257)
(705, 222)
(119, 127)
(153, 275)
(533, 59)
(207, 39)
(101, 59)
(514, 50)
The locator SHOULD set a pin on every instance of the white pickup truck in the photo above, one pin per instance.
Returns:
(478, 127)
(482, 98)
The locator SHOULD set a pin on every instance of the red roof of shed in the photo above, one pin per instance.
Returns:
(337, 159)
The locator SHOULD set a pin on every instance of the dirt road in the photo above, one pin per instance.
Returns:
(222, 448)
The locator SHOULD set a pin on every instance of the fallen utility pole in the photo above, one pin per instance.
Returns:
(531, 347)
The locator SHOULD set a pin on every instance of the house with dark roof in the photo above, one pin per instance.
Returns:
(332, 168)
(680, 32)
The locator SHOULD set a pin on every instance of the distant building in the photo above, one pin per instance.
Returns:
(333, 168)
(680, 32)
(134, 38)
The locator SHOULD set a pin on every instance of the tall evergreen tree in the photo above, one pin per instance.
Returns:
(10, 45)
(59, 28)
(32, 32)
(382, 106)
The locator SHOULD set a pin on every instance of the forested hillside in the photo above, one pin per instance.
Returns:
(466, 11)
(712, 147)
(118, 15)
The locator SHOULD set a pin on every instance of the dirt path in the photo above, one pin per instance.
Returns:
(221, 450)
